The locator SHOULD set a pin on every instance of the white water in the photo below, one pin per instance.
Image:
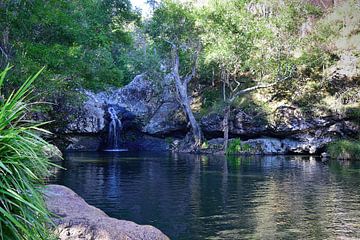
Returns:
(115, 127)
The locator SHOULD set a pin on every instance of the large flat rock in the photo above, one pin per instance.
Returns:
(78, 220)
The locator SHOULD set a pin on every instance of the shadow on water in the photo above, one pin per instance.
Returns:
(213, 197)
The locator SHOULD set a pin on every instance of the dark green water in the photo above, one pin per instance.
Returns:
(212, 197)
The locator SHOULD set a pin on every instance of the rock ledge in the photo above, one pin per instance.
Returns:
(78, 220)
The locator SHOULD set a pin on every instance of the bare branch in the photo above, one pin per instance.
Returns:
(171, 43)
(175, 62)
(195, 56)
(250, 89)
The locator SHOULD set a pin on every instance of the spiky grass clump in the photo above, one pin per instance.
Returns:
(23, 166)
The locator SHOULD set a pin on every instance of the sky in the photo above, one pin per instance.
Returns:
(142, 5)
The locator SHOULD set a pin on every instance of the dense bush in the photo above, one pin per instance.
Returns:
(23, 166)
(345, 149)
(82, 43)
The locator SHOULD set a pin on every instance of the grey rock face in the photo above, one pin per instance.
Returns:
(78, 220)
(212, 124)
(89, 119)
(167, 119)
(265, 146)
(289, 120)
(140, 97)
(303, 144)
(243, 124)
(84, 143)
(153, 108)
(143, 104)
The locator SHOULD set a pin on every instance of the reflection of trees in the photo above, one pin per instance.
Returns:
(230, 198)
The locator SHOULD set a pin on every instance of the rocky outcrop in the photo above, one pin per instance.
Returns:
(150, 113)
(146, 106)
(290, 132)
(75, 219)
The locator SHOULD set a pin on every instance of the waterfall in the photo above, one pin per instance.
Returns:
(114, 131)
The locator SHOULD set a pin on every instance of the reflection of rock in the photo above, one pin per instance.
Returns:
(78, 220)
(141, 142)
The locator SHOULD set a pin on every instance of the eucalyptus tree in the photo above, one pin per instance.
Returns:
(174, 29)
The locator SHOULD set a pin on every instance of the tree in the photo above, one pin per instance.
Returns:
(81, 43)
(181, 84)
(174, 30)
(240, 44)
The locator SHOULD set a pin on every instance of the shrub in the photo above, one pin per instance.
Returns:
(23, 166)
(354, 113)
(344, 149)
(236, 146)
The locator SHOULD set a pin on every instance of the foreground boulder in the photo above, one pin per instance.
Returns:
(78, 220)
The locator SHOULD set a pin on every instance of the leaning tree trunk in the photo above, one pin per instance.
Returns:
(181, 84)
(226, 127)
(195, 127)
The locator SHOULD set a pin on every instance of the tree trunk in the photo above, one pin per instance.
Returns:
(226, 126)
(181, 85)
(195, 127)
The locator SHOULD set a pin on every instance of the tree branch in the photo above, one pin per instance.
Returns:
(190, 76)
(250, 89)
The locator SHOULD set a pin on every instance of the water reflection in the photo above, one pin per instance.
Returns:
(211, 197)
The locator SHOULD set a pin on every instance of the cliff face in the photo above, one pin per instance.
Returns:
(152, 118)
(146, 109)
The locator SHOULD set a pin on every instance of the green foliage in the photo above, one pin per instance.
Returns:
(205, 145)
(211, 101)
(236, 146)
(344, 149)
(81, 43)
(23, 167)
(169, 140)
(175, 23)
(353, 113)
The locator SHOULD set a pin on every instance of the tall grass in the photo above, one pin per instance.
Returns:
(23, 166)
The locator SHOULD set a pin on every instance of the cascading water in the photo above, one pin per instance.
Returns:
(115, 127)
